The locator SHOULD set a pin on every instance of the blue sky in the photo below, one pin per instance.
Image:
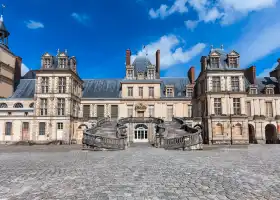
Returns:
(98, 32)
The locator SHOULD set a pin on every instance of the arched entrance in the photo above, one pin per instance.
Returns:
(270, 134)
(252, 136)
(140, 133)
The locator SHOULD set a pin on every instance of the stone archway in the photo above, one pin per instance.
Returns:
(270, 134)
(251, 133)
(140, 133)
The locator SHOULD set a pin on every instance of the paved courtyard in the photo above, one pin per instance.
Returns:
(65, 172)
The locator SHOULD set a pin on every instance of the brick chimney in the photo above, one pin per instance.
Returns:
(17, 75)
(203, 62)
(191, 75)
(158, 63)
(127, 57)
(250, 74)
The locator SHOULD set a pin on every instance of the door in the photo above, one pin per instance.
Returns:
(114, 111)
(141, 134)
(59, 131)
(25, 131)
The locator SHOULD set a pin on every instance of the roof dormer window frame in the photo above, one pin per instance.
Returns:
(253, 90)
(62, 62)
(269, 90)
(233, 62)
(169, 91)
(47, 62)
(189, 91)
(215, 62)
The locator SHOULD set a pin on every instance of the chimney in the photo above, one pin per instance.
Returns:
(250, 74)
(191, 75)
(127, 57)
(203, 62)
(158, 63)
(17, 74)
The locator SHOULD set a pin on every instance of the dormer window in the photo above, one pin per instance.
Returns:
(269, 91)
(151, 74)
(233, 62)
(47, 62)
(62, 62)
(215, 61)
(189, 92)
(169, 92)
(140, 75)
(253, 91)
(129, 74)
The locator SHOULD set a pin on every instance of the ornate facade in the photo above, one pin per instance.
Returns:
(232, 104)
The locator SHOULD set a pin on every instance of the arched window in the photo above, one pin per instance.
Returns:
(219, 129)
(141, 133)
(18, 105)
(3, 105)
(31, 105)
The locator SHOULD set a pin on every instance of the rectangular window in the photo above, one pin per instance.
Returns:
(74, 107)
(59, 126)
(235, 84)
(269, 91)
(151, 92)
(60, 107)
(218, 106)
(253, 91)
(45, 85)
(130, 91)
(189, 110)
(216, 84)
(169, 113)
(47, 62)
(169, 92)
(62, 62)
(43, 107)
(233, 62)
(248, 108)
(62, 85)
(236, 106)
(114, 111)
(8, 128)
(269, 112)
(129, 73)
(215, 61)
(42, 128)
(129, 111)
(75, 88)
(189, 92)
(151, 110)
(100, 111)
(86, 111)
(140, 91)
(151, 74)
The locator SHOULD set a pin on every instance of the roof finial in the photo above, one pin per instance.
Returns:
(65, 51)
(2, 13)
(222, 47)
(57, 51)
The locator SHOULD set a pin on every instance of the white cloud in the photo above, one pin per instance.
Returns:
(33, 24)
(24, 69)
(190, 24)
(170, 51)
(164, 11)
(81, 18)
(265, 72)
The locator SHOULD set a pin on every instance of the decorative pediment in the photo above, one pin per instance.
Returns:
(215, 54)
(140, 107)
(62, 54)
(233, 53)
(46, 55)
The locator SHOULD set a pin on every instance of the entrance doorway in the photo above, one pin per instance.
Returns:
(141, 133)
(25, 131)
(252, 137)
(270, 134)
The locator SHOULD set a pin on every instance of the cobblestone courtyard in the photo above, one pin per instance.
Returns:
(65, 172)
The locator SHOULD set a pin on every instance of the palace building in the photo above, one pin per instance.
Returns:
(54, 103)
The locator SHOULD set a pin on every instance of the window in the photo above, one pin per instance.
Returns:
(42, 128)
(215, 62)
(233, 62)
(100, 111)
(75, 88)
(86, 111)
(151, 74)
(62, 62)
(44, 107)
(130, 111)
(169, 92)
(218, 106)
(235, 83)
(189, 92)
(61, 84)
(129, 73)
(45, 85)
(236, 106)
(269, 91)
(31, 105)
(151, 110)
(140, 91)
(8, 128)
(59, 126)
(151, 92)
(269, 112)
(248, 108)
(169, 113)
(253, 91)
(189, 110)
(60, 107)
(238, 129)
(216, 83)
(74, 108)
(219, 129)
(18, 105)
(3, 105)
(130, 91)
(47, 62)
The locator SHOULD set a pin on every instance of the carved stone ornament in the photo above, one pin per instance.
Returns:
(140, 107)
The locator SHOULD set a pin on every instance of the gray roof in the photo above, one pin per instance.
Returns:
(3, 29)
(31, 74)
(178, 83)
(141, 63)
(263, 81)
(25, 89)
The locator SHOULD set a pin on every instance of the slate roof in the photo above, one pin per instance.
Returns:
(31, 74)
(263, 81)
(25, 89)
(3, 28)
(141, 63)
(179, 86)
